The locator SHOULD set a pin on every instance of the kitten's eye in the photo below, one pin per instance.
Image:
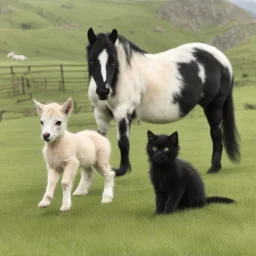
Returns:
(42, 123)
(58, 123)
(166, 149)
(154, 148)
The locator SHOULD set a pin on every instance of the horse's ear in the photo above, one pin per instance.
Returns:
(39, 107)
(174, 138)
(67, 106)
(91, 36)
(151, 135)
(113, 36)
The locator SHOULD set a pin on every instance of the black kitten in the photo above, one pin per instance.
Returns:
(177, 184)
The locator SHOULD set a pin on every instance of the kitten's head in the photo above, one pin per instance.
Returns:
(162, 149)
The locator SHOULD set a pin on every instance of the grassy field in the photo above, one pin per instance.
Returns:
(127, 226)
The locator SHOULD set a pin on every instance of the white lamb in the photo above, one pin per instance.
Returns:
(64, 152)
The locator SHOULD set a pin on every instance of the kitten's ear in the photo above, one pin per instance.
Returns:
(151, 135)
(174, 138)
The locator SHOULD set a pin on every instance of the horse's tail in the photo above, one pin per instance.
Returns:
(218, 199)
(230, 133)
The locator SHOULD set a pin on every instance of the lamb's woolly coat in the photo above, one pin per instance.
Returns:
(64, 152)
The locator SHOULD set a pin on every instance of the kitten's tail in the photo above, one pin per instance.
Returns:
(218, 199)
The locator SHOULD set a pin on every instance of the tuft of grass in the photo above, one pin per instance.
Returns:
(127, 226)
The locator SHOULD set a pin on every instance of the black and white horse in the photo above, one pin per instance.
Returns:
(125, 82)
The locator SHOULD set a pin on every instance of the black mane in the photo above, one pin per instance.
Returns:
(128, 46)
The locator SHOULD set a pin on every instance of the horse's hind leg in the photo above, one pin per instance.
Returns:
(85, 182)
(213, 113)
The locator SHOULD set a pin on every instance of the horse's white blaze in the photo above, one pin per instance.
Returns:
(103, 59)
(201, 73)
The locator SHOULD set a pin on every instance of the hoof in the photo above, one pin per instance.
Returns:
(65, 208)
(44, 204)
(214, 169)
(106, 199)
(80, 193)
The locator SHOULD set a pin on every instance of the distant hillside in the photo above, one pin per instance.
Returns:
(246, 5)
(234, 24)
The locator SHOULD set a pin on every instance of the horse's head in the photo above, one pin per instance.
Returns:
(102, 61)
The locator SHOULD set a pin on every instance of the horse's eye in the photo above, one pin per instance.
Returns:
(113, 61)
(166, 149)
(42, 123)
(91, 61)
(154, 148)
(58, 123)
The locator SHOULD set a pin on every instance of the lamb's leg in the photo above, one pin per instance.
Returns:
(67, 181)
(53, 177)
(109, 175)
(85, 182)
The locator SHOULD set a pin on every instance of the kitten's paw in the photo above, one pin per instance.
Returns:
(44, 203)
(80, 192)
(65, 208)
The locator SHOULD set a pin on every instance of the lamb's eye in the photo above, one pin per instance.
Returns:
(58, 123)
(154, 148)
(166, 149)
(42, 123)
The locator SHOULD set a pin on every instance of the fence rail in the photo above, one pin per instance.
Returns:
(27, 79)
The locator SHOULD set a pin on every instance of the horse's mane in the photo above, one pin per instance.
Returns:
(129, 48)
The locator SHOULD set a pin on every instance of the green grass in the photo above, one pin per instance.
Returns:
(127, 226)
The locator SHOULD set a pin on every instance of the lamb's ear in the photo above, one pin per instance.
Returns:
(91, 36)
(39, 107)
(113, 36)
(151, 135)
(174, 138)
(67, 106)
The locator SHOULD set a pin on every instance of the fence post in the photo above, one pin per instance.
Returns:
(23, 85)
(11, 69)
(62, 78)
(28, 83)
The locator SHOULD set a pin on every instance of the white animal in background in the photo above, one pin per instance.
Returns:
(10, 54)
(64, 152)
(13, 56)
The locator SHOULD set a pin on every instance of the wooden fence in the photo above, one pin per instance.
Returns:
(27, 79)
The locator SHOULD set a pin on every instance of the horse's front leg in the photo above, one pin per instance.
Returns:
(123, 131)
(103, 117)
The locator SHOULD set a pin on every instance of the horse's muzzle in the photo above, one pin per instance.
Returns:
(103, 94)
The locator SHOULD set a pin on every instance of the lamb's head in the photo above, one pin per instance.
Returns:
(53, 118)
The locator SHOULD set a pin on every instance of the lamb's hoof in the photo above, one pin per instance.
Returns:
(79, 193)
(107, 199)
(44, 204)
(65, 208)
(214, 169)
